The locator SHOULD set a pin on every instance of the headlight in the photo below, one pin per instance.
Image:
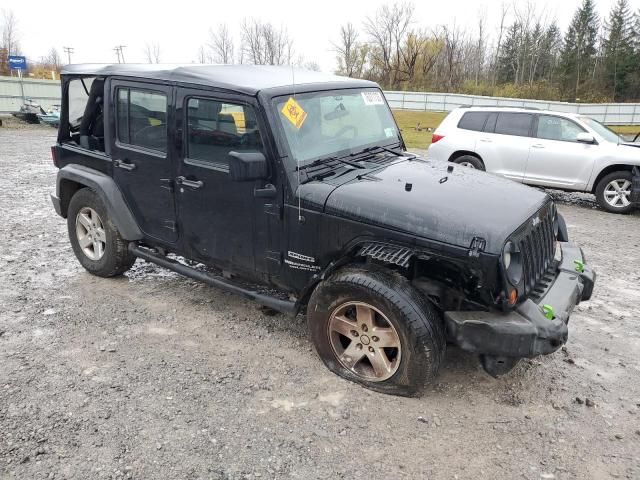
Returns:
(512, 262)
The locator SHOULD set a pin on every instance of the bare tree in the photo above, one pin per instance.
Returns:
(52, 60)
(264, 44)
(9, 30)
(152, 52)
(347, 51)
(388, 30)
(221, 44)
(504, 11)
(203, 57)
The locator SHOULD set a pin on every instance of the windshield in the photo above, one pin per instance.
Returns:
(333, 123)
(605, 132)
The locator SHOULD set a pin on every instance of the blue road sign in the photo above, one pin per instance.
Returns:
(17, 62)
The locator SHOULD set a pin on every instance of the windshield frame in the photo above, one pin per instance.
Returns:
(290, 162)
(589, 122)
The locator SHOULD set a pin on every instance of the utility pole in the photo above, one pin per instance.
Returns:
(68, 51)
(120, 53)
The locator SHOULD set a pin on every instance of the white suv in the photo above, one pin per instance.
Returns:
(551, 149)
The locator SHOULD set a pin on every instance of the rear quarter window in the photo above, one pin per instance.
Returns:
(473, 121)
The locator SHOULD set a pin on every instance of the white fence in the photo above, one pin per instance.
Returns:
(47, 94)
(609, 113)
(13, 91)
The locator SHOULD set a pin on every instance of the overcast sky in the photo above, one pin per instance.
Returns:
(180, 27)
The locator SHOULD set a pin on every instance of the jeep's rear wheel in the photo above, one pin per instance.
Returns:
(470, 161)
(95, 240)
(370, 326)
(613, 192)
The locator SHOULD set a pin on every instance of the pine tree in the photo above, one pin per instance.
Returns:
(618, 50)
(579, 52)
(508, 62)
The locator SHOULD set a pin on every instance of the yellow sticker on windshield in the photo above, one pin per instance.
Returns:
(294, 112)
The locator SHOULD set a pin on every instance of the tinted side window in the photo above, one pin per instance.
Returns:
(142, 118)
(473, 121)
(514, 124)
(216, 128)
(557, 128)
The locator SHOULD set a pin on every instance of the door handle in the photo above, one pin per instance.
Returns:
(124, 165)
(537, 145)
(195, 184)
(486, 140)
(269, 191)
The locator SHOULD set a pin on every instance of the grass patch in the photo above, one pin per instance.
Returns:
(626, 129)
(408, 120)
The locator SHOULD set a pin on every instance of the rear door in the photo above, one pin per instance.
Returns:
(557, 159)
(505, 143)
(143, 167)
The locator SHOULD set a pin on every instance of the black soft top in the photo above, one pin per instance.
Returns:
(247, 79)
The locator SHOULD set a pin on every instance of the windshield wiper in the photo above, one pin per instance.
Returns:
(383, 148)
(327, 160)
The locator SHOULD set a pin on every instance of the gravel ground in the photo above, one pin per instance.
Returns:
(154, 376)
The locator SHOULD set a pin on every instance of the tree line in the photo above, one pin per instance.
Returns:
(595, 59)
(524, 55)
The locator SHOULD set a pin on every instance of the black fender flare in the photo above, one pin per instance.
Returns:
(563, 233)
(387, 252)
(106, 188)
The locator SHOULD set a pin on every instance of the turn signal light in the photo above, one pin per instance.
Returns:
(54, 156)
(436, 138)
(513, 297)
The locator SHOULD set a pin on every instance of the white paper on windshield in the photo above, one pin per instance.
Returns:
(372, 98)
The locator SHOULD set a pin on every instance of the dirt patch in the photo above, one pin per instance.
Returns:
(154, 376)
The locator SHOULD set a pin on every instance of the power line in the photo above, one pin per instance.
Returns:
(68, 51)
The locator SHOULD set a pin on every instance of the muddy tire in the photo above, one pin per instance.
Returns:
(370, 326)
(613, 192)
(470, 161)
(94, 238)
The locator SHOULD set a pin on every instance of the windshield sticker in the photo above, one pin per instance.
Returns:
(389, 132)
(372, 98)
(294, 112)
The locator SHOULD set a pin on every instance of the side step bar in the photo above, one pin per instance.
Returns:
(283, 306)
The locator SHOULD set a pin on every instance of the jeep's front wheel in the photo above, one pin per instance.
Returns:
(370, 326)
(94, 238)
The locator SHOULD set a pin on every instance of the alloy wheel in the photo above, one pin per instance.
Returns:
(467, 164)
(364, 341)
(90, 233)
(617, 193)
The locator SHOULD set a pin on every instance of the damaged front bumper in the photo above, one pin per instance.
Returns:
(534, 327)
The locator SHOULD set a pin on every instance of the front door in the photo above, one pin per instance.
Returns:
(221, 222)
(557, 159)
(142, 164)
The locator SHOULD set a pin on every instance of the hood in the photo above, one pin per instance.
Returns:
(424, 198)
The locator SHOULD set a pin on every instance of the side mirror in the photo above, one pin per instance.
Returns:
(246, 166)
(584, 137)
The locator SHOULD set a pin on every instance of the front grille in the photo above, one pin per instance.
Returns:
(537, 246)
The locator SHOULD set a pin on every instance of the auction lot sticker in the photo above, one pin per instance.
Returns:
(294, 112)
(372, 98)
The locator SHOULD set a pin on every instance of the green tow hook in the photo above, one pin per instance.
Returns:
(579, 265)
(548, 311)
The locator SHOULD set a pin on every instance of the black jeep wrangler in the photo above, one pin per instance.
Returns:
(294, 189)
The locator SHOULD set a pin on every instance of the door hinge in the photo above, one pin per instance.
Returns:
(274, 256)
(273, 209)
(478, 244)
